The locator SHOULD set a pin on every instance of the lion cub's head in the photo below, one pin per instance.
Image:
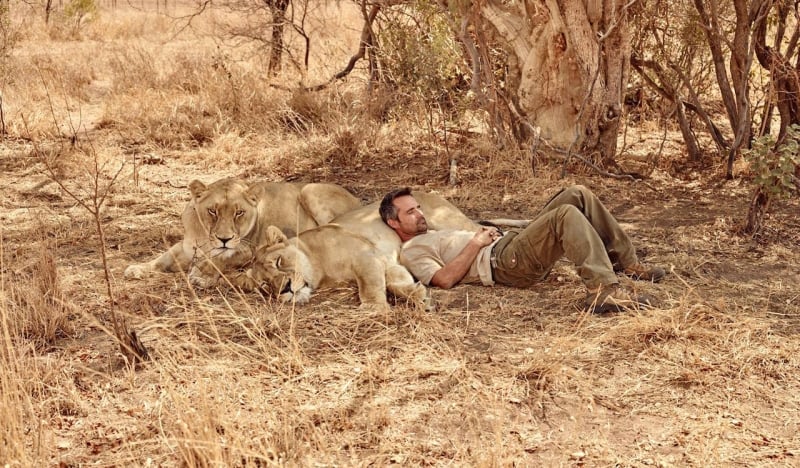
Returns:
(227, 212)
(281, 267)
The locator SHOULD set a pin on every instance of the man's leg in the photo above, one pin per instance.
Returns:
(616, 241)
(528, 256)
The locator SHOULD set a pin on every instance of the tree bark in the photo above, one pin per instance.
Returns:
(759, 205)
(571, 60)
(278, 10)
(784, 77)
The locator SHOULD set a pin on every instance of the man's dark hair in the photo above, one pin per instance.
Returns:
(387, 209)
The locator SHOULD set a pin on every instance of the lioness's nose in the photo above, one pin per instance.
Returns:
(224, 240)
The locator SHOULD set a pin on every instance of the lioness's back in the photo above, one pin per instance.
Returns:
(440, 214)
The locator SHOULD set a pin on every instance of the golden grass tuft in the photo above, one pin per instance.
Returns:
(20, 439)
(38, 310)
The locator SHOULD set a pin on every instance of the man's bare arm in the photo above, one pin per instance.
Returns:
(455, 270)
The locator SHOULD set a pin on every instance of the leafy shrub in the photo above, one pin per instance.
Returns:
(773, 167)
(420, 55)
(72, 19)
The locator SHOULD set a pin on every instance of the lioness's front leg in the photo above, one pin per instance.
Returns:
(400, 283)
(176, 258)
(371, 281)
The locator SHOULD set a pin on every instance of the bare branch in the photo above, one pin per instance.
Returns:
(366, 40)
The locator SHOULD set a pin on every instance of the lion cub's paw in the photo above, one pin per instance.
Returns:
(301, 296)
(136, 271)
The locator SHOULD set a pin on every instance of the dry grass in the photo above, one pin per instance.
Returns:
(497, 377)
(37, 310)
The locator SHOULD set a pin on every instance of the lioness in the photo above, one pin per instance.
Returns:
(225, 221)
(327, 256)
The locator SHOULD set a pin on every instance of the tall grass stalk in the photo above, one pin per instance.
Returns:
(19, 436)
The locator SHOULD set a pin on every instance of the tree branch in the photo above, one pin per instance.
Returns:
(366, 40)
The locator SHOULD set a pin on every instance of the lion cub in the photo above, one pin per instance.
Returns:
(329, 255)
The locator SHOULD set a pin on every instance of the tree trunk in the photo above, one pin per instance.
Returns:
(759, 205)
(278, 10)
(666, 90)
(785, 79)
(734, 91)
(570, 59)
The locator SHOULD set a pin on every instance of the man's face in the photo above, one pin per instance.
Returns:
(410, 220)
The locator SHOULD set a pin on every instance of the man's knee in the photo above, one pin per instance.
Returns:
(580, 190)
(566, 213)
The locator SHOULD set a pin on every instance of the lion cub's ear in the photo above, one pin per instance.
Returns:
(197, 188)
(274, 236)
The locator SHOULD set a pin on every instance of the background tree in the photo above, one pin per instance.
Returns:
(264, 24)
(568, 66)
(783, 63)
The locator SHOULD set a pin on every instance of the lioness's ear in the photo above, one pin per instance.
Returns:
(197, 188)
(251, 194)
(274, 235)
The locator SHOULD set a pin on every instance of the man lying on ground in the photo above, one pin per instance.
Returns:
(573, 223)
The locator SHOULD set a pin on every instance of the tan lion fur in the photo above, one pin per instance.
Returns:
(327, 256)
(225, 221)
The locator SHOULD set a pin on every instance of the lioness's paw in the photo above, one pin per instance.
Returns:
(375, 306)
(136, 271)
(423, 298)
(428, 303)
(200, 280)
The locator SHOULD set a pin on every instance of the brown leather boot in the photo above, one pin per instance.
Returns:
(614, 298)
(641, 272)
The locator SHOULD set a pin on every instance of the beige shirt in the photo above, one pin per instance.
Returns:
(425, 254)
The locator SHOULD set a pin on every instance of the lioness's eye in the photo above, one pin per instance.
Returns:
(212, 212)
(239, 213)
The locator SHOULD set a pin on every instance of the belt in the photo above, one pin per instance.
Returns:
(507, 236)
(493, 256)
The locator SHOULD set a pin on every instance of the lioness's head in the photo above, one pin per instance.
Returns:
(282, 268)
(227, 213)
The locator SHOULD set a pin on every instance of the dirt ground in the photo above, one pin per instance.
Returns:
(497, 376)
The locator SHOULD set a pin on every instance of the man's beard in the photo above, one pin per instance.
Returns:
(422, 226)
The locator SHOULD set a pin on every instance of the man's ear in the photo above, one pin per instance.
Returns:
(393, 223)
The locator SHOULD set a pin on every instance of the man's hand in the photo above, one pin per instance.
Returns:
(486, 235)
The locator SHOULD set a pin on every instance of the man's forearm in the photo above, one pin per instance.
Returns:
(453, 271)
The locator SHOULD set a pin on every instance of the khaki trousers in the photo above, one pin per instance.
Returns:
(573, 223)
